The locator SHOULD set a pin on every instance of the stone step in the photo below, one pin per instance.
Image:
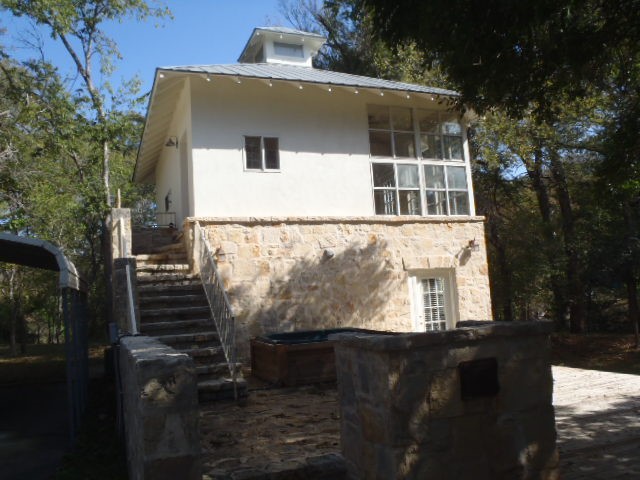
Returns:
(200, 339)
(177, 313)
(148, 290)
(216, 370)
(220, 389)
(167, 257)
(176, 326)
(204, 355)
(172, 247)
(167, 279)
(162, 268)
(167, 301)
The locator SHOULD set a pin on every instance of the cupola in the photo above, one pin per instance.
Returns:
(281, 45)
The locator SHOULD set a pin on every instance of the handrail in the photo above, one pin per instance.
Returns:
(123, 247)
(221, 310)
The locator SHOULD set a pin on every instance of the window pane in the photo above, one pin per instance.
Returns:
(428, 121)
(451, 126)
(452, 147)
(434, 176)
(253, 152)
(436, 203)
(404, 145)
(271, 153)
(402, 119)
(430, 146)
(385, 201)
(288, 49)
(383, 175)
(434, 304)
(408, 176)
(378, 117)
(457, 178)
(409, 202)
(459, 203)
(380, 144)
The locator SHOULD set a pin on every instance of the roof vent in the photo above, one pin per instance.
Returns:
(281, 45)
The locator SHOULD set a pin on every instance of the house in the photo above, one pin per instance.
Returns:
(330, 199)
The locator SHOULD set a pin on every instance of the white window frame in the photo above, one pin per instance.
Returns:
(421, 162)
(263, 168)
(450, 296)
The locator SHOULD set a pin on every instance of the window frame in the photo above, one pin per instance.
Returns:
(416, 117)
(447, 275)
(263, 154)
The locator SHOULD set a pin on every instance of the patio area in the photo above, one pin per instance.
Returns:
(295, 432)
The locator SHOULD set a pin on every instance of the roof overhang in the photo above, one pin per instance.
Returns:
(33, 252)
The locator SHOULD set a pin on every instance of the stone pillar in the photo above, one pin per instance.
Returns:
(120, 217)
(470, 403)
(160, 399)
(121, 307)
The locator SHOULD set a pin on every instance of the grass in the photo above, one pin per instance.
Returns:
(596, 351)
(41, 363)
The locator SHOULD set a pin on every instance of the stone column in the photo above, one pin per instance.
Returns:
(160, 399)
(470, 403)
(120, 249)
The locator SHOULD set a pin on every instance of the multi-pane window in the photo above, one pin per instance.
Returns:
(261, 153)
(433, 303)
(396, 188)
(431, 183)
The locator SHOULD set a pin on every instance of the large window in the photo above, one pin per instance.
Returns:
(418, 164)
(261, 153)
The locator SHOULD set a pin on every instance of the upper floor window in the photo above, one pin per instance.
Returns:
(414, 154)
(261, 153)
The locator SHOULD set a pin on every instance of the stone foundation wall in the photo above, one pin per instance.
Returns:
(285, 274)
(466, 404)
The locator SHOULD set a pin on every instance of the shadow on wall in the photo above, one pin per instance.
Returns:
(327, 288)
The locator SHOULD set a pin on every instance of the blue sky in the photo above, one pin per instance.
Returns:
(202, 32)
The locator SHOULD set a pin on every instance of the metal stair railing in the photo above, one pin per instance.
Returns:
(124, 252)
(221, 310)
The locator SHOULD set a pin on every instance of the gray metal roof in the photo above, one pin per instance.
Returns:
(289, 31)
(294, 73)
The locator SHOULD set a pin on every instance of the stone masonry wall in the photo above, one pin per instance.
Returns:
(473, 403)
(286, 274)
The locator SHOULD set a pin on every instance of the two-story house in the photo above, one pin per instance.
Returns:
(331, 199)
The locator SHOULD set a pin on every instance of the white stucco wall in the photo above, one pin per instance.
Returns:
(169, 171)
(324, 148)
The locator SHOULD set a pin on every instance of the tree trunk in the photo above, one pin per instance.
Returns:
(534, 171)
(577, 316)
(14, 314)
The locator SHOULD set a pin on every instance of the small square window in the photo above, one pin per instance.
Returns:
(261, 153)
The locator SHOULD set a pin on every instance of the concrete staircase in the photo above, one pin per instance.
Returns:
(174, 309)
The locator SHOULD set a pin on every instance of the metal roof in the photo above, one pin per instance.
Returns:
(37, 253)
(289, 31)
(295, 73)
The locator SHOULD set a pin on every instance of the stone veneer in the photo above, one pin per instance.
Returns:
(285, 274)
(474, 403)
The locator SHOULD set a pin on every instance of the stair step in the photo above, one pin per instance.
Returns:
(215, 370)
(177, 313)
(220, 388)
(167, 278)
(176, 326)
(167, 257)
(150, 291)
(190, 338)
(193, 300)
(162, 268)
(172, 247)
(204, 355)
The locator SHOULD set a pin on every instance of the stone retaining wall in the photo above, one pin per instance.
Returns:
(285, 274)
(160, 411)
(467, 404)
